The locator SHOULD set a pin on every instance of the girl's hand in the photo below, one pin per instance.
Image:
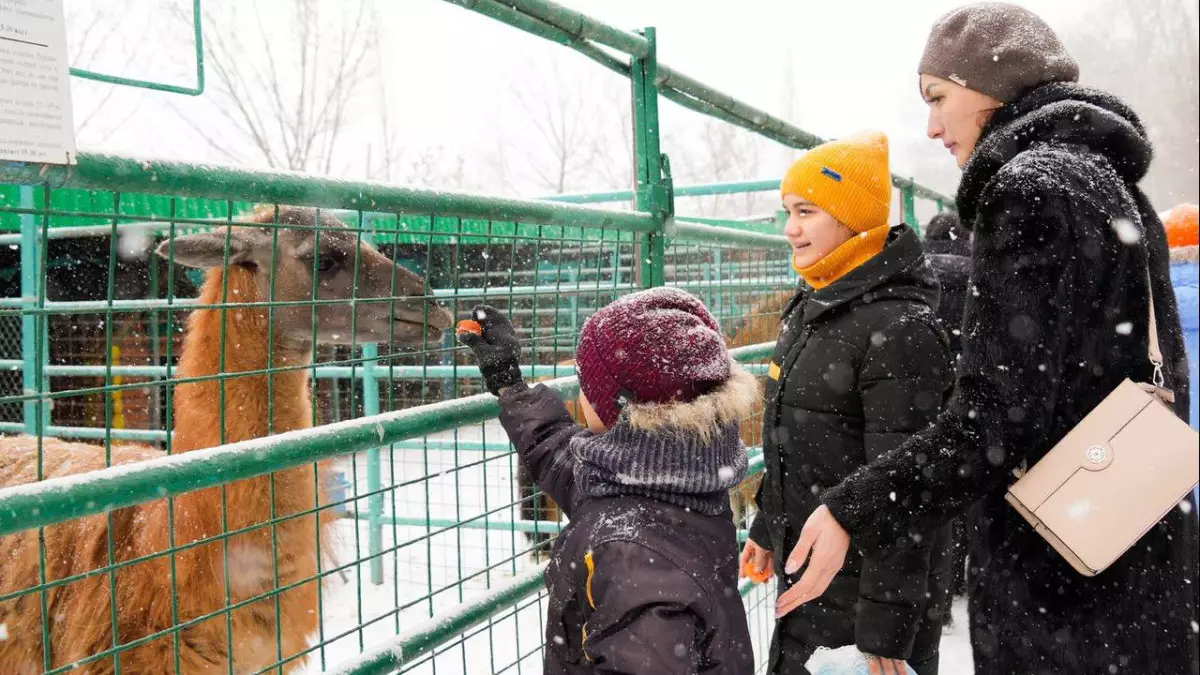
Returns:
(756, 563)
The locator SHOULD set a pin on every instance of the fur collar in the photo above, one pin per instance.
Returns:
(1064, 114)
(703, 416)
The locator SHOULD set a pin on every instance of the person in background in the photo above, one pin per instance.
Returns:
(948, 249)
(861, 363)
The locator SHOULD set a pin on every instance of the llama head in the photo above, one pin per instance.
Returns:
(308, 252)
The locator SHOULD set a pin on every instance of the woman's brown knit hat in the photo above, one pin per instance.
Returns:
(997, 49)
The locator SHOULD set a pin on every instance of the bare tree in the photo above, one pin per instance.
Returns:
(93, 36)
(717, 152)
(612, 140)
(286, 94)
(580, 131)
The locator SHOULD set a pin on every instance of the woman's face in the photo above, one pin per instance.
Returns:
(812, 232)
(956, 115)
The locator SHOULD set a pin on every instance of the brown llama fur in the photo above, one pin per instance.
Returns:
(80, 612)
(270, 626)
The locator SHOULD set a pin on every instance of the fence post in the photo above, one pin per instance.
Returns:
(653, 192)
(909, 215)
(34, 336)
(370, 398)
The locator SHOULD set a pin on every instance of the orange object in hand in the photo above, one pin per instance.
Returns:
(469, 326)
(754, 575)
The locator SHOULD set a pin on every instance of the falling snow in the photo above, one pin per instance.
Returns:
(1127, 232)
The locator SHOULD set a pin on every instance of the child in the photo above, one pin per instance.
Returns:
(861, 363)
(643, 580)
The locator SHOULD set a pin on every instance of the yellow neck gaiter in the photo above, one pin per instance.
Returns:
(845, 258)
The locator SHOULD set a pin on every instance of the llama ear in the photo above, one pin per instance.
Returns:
(207, 250)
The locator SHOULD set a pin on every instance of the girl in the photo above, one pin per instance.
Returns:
(861, 363)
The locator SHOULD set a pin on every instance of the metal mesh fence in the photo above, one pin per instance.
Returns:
(407, 530)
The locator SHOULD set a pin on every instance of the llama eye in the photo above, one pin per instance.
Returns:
(326, 263)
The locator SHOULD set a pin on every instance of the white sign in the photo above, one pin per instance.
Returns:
(35, 87)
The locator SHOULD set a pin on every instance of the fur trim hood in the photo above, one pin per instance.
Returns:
(704, 415)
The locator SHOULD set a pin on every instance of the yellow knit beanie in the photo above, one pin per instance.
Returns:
(848, 178)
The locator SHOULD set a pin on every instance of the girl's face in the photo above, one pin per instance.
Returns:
(812, 232)
(957, 115)
(590, 416)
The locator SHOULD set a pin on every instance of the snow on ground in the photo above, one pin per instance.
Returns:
(421, 566)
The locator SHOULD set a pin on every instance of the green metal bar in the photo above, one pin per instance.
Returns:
(908, 205)
(696, 232)
(748, 116)
(321, 372)
(440, 629)
(31, 381)
(735, 223)
(198, 39)
(512, 17)
(180, 179)
(583, 27)
(653, 192)
(57, 499)
(374, 471)
(101, 307)
(160, 436)
(540, 28)
(702, 190)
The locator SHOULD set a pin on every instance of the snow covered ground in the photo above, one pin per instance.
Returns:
(422, 566)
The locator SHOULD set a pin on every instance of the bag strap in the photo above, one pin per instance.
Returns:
(1155, 349)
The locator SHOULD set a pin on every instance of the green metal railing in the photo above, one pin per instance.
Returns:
(436, 560)
(378, 445)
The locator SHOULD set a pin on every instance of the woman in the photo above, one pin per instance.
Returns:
(1057, 318)
(860, 364)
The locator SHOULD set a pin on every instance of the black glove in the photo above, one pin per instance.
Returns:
(497, 349)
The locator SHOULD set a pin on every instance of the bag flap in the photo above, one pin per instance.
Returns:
(1085, 446)
(1101, 514)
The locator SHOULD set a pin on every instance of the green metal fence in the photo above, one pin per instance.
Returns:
(265, 504)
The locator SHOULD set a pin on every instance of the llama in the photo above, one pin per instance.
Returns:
(212, 574)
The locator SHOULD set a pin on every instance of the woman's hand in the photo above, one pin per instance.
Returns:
(881, 666)
(827, 542)
(757, 563)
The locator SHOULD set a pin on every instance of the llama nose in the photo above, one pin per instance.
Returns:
(428, 312)
(439, 316)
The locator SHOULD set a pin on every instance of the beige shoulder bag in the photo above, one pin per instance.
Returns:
(1114, 476)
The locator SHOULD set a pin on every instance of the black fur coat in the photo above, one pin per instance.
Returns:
(1055, 320)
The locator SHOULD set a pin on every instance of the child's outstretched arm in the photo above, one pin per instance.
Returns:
(536, 420)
